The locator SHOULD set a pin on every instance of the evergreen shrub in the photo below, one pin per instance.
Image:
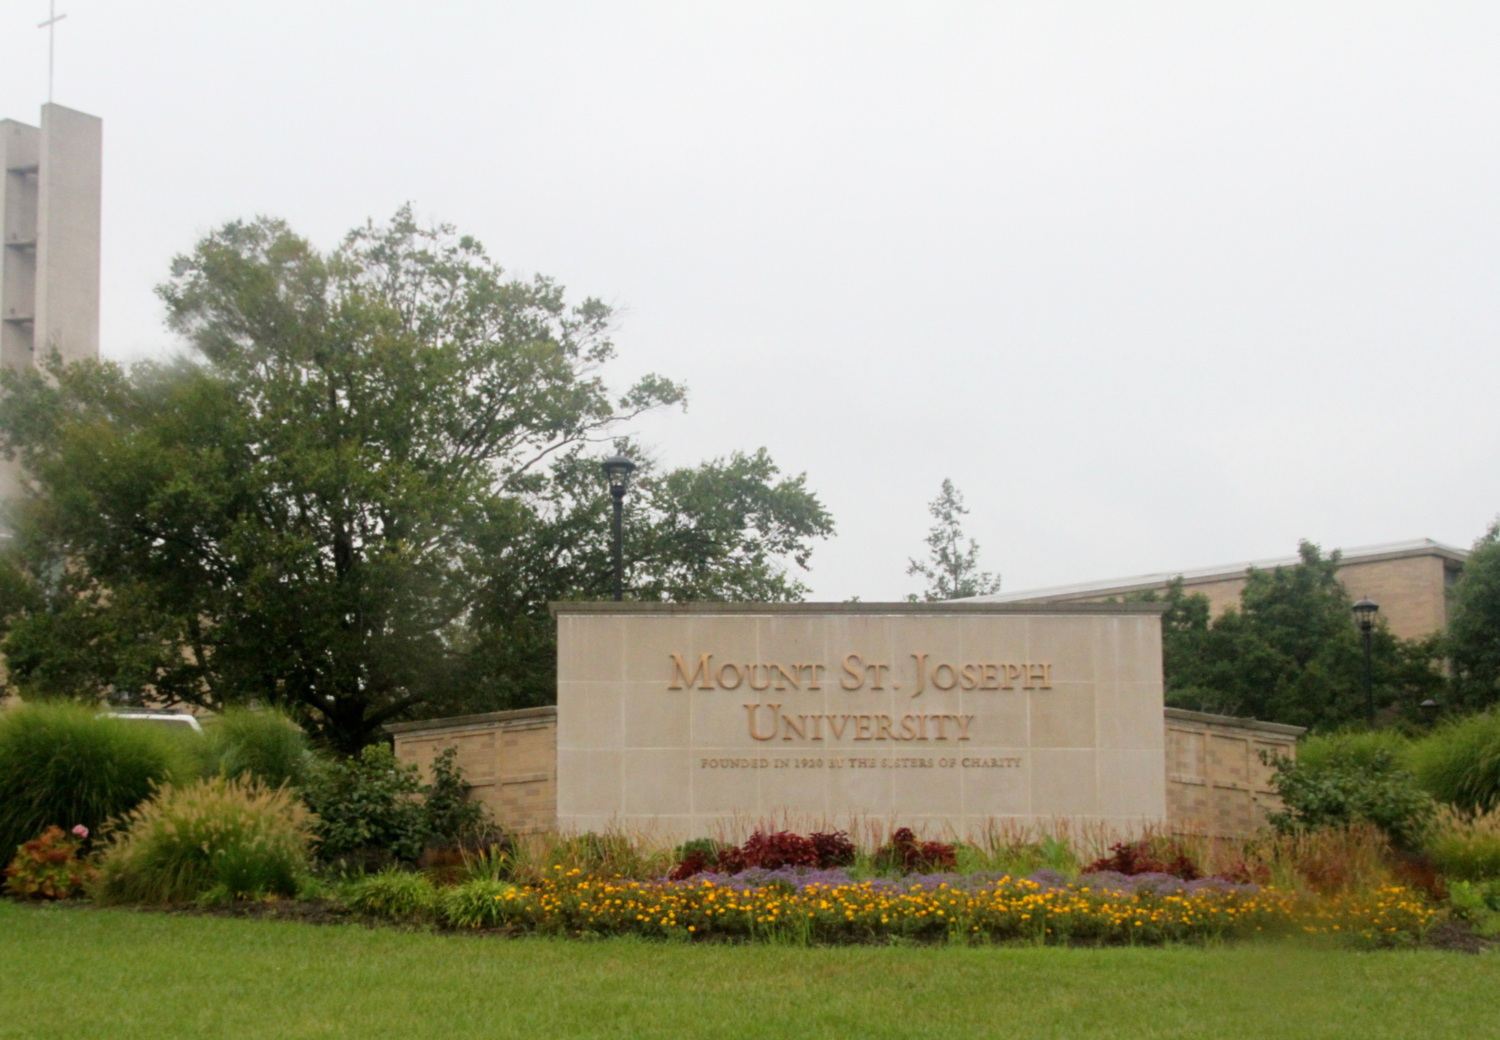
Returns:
(61, 765)
(216, 839)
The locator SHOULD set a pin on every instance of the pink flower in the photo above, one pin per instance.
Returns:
(81, 831)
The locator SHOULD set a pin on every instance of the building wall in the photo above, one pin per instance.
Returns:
(509, 759)
(1217, 781)
(69, 193)
(50, 197)
(1411, 588)
(1412, 591)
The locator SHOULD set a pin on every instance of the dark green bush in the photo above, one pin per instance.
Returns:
(60, 764)
(1459, 762)
(452, 817)
(368, 808)
(263, 744)
(216, 839)
(1342, 791)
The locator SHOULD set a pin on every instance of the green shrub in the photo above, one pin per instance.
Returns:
(396, 895)
(1358, 747)
(368, 810)
(1466, 846)
(476, 904)
(1018, 858)
(262, 744)
(607, 855)
(1477, 902)
(1343, 792)
(492, 862)
(452, 817)
(215, 839)
(61, 765)
(1459, 762)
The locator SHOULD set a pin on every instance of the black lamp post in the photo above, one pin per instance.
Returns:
(1430, 709)
(1364, 616)
(617, 469)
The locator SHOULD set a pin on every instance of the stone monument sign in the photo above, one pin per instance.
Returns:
(944, 717)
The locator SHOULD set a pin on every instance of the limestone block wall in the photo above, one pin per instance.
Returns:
(1217, 784)
(509, 759)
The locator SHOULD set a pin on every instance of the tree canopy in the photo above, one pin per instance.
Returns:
(357, 494)
(1473, 638)
(1289, 652)
(952, 565)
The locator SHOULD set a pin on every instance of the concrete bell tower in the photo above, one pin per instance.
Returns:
(49, 235)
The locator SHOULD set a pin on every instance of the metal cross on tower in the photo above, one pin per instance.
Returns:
(51, 26)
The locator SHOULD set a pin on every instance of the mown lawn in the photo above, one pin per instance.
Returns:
(117, 975)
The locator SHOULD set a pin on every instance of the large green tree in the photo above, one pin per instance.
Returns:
(1290, 651)
(1473, 638)
(356, 495)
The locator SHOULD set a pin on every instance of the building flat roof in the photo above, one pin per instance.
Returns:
(1198, 575)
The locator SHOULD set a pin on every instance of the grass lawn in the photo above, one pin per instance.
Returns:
(117, 975)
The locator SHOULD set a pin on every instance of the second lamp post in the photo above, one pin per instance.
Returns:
(1364, 614)
(617, 468)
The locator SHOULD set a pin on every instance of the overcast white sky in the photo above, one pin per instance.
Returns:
(1158, 285)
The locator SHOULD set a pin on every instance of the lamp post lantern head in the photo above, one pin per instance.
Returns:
(1364, 614)
(1430, 709)
(617, 469)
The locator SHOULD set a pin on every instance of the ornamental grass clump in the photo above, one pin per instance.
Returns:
(1466, 846)
(264, 744)
(1326, 860)
(215, 840)
(1367, 748)
(395, 894)
(1459, 762)
(61, 765)
(480, 903)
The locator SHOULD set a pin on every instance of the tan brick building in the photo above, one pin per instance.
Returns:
(1410, 581)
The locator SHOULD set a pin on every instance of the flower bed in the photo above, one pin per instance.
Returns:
(829, 907)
